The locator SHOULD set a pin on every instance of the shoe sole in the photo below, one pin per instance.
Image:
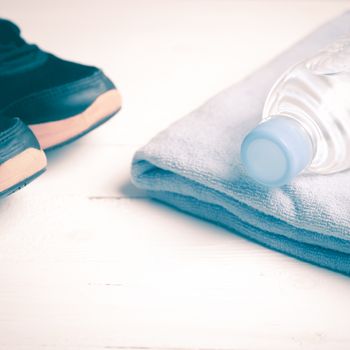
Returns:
(20, 170)
(58, 133)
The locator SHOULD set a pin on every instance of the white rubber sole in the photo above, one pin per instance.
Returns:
(21, 167)
(58, 132)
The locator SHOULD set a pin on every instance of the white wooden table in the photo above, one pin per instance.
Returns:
(88, 262)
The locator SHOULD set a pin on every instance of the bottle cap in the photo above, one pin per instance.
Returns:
(276, 151)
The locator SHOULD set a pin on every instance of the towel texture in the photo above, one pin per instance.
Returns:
(194, 165)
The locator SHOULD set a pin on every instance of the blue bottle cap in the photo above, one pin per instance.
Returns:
(276, 151)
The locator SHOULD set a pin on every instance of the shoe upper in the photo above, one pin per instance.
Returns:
(15, 137)
(41, 87)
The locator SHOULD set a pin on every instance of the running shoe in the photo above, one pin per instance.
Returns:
(21, 158)
(59, 100)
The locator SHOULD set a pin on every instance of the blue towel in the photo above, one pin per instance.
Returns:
(194, 165)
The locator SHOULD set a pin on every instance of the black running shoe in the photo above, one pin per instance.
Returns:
(21, 159)
(59, 100)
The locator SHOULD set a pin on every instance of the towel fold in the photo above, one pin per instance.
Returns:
(194, 165)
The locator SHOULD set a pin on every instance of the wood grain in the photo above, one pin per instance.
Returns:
(88, 262)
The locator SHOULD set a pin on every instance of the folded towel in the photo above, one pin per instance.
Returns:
(194, 165)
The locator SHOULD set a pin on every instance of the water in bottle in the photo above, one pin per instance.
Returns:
(306, 121)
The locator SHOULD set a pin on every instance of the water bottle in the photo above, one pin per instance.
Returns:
(306, 121)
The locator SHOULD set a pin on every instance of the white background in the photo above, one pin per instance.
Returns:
(87, 262)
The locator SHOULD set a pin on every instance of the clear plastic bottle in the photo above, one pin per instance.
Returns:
(306, 120)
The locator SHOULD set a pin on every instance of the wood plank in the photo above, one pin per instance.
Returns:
(86, 262)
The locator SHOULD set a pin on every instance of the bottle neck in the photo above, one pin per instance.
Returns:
(276, 151)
